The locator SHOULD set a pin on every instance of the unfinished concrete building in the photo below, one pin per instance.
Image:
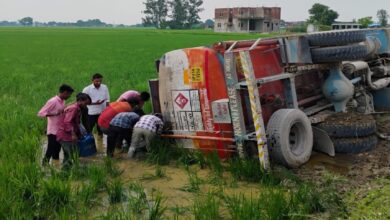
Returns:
(259, 19)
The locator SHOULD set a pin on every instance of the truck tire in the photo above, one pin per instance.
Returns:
(290, 137)
(345, 125)
(336, 38)
(354, 145)
(340, 53)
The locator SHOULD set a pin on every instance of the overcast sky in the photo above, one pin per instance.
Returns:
(130, 11)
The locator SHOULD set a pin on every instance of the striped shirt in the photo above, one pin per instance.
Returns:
(151, 123)
(125, 120)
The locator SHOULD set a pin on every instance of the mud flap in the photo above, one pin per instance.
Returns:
(322, 142)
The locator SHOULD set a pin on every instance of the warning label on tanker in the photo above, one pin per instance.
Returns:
(195, 103)
(181, 100)
(196, 74)
(188, 116)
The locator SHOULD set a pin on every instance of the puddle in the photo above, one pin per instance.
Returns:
(171, 186)
(340, 164)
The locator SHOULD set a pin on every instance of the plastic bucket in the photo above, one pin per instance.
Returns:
(87, 146)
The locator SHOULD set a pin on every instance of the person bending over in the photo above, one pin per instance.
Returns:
(113, 109)
(146, 129)
(121, 127)
(69, 128)
(142, 97)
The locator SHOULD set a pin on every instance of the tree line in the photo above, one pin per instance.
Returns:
(29, 21)
(173, 14)
(322, 15)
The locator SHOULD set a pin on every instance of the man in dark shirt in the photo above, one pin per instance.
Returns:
(121, 127)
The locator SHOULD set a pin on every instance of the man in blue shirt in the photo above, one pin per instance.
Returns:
(121, 127)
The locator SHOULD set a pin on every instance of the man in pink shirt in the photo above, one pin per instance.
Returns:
(69, 128)
(52, 111)
(143, 97)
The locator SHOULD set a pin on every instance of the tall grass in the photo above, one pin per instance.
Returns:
(115, 191)
(206, 208)
(55, 196)
(165, 151)
(213, 160)
(194, 182)
(137, 200)
(111, 168)
(156, 208)
(272, 204)
(250, 170)
(86, 195)
(98, 177)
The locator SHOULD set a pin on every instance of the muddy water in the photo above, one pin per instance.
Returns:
(176, 178)
(340, 164)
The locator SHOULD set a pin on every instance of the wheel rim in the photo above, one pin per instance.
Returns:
(296, 138)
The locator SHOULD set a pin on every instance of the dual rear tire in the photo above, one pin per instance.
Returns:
(337, 46)
(351, 133)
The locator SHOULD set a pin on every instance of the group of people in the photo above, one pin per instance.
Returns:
(121, 120)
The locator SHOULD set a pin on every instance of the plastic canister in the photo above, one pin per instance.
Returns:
(87, 146)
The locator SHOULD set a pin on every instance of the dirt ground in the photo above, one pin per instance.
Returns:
(359, 168)
(364, 179)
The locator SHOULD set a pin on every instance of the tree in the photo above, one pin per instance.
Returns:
(383, 16)
(179, 14)
(209, 23)
(322, 15)
(365, 21)
(193, 8)
(27, 21)
(156, 12)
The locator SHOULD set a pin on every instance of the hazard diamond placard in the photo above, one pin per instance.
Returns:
(181, 100)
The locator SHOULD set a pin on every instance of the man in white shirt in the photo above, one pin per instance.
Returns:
(100, 100)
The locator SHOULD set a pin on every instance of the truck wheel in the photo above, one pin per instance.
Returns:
(344, 125)
(338, 54)
(336, 38)
(290, 137)
(354, 145)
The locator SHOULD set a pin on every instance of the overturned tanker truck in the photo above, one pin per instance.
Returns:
(279, 98)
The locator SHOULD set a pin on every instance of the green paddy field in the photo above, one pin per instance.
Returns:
(168, 184)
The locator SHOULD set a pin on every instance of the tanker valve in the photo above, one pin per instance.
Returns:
(338, 89)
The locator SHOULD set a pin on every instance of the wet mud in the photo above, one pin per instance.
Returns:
(357, 169)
